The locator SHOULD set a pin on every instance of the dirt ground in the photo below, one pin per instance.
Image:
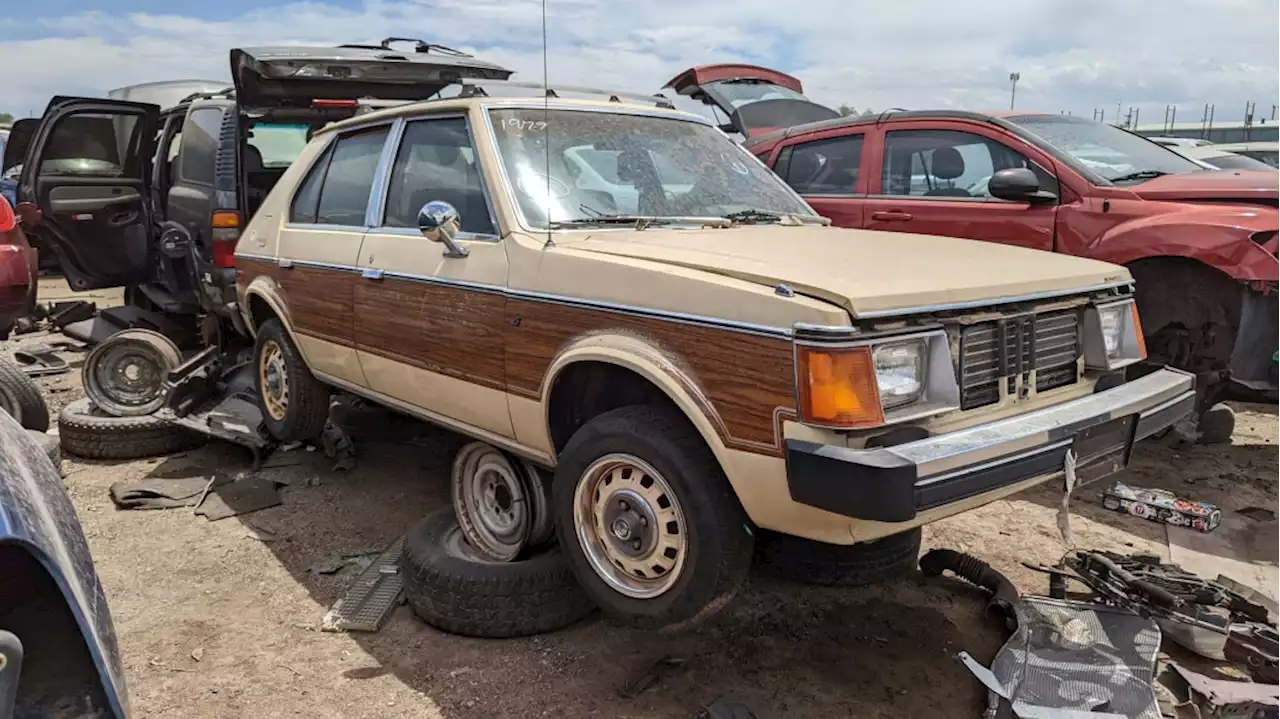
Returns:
(216, 622)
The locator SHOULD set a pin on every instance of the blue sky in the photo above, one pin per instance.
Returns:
(1073, 55)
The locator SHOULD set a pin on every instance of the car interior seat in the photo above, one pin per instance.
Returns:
(948, 164)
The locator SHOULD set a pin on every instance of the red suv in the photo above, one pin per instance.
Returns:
(18, 270)
(1201, 244)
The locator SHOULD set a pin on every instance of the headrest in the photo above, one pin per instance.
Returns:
(948, 164)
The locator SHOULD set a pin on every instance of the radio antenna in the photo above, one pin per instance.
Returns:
(546, 122)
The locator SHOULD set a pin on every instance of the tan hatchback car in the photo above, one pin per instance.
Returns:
(622, 293)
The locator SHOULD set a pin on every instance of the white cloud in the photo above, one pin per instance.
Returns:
(1074, 55)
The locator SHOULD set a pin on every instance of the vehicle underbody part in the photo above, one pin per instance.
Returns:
(86, 431)
(40, 359)
(452, 588)
(124, 375)
(831, 565)
(491, 502)
(20, 396)
(106, 322)
(977, 572)
(213, 394)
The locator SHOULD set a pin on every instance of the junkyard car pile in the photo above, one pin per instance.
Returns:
(665, 355)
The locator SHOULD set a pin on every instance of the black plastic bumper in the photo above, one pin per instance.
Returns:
(893, 484)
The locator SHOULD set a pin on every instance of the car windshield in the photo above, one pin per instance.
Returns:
(1112, 153)
(280, 145)
(1271, 158)
(568, 166)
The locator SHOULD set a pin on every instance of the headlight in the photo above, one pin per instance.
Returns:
(868, 383)
(900, 369)
(1113, 336)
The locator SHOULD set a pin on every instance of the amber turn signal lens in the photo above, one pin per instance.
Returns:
(838, 387)
(225, 219)
(1137, 331)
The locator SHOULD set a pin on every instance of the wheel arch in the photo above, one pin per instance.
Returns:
(262, 302)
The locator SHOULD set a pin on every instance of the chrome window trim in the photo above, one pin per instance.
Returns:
(326, 227)
(382, 175)
(509, 188)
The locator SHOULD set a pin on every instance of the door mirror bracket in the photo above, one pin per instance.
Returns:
(439, 222)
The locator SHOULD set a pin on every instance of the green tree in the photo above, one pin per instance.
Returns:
(6, 118)
(847, 111)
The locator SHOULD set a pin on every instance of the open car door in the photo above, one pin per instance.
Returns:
(86, 169)
(755, 99)
(286, 76)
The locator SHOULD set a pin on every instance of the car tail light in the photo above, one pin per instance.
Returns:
(838, 387)
(333, 103)
(226, 233)
(8, 220)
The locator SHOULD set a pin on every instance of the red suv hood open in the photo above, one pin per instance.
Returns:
(756, 100)
(1245, 185)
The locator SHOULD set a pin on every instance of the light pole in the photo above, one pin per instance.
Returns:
(1013, 87)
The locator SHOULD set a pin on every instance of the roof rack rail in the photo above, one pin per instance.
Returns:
(471, 89)
(226, 92)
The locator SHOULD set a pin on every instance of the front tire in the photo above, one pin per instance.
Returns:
(294, 404)
(651, 526)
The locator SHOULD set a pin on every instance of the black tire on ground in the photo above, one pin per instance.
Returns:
(86, 432)
(1216, 425)
(462, 595)
(20, 396)
(719, 536)
(307, 406)
(832, 565)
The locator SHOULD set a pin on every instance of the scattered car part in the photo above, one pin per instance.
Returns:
(635, 489)
(49, 443)
(652, 673)
(86, 431)
(38, 360)
(1223, 698)
(1065, 655)
(1159, 505)
(205, 396)
(491, 501)
(1216, 425)
(124, 376)
(975, 571)
(452, 588)
(725, 708)
(836, 565)
(1256, 647)
(538, 489)
(51, 593)
(369, 600)
(295, 405)
(20, 396)
(153, 493)
(62, 314)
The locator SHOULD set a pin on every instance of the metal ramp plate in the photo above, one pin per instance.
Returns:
(369, 599)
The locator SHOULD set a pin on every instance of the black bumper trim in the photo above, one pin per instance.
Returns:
(888, 489)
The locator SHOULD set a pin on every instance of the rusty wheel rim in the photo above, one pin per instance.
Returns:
(273, 380)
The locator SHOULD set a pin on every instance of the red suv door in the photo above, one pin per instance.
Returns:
(829, 170)
(930, 177)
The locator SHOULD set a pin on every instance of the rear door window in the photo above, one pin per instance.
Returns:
(348, 180)
(823, 167)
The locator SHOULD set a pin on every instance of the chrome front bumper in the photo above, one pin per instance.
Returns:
(893, 484)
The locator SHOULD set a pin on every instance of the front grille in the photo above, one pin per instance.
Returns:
(1007, 349)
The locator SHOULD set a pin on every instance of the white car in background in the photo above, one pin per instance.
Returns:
(1180, 141)
(1266, 152)
(1217, 157)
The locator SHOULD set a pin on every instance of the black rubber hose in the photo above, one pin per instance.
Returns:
(974, 570)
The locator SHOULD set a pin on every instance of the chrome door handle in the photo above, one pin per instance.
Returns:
(371, 274)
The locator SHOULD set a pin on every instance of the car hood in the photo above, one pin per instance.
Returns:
(1246, 185)
(863, 271)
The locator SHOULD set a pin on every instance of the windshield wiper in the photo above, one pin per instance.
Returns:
(640, 221)
(1140, 175)
(784, 218)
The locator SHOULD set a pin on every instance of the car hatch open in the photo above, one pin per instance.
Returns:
(286, 76)
(755, 99)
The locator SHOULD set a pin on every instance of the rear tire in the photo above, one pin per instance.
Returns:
(20, 396)
(833, 565)
(294, 404)
(462, 594)
(86, 431)
(644, 564)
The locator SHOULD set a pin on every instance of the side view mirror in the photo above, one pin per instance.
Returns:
(1018, 184)
(439, 222)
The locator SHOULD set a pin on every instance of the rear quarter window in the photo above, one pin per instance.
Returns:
(198, 153)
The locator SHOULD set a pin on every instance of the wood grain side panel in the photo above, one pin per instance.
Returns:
(748, 379)
(318, 300)
(441, 329)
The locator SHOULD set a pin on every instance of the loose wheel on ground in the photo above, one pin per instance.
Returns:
(832, 565)
(294, 403)
(124, 375)
(453, 589)
(651, 526)
(20, 396)
(491, 502)
(86, 431)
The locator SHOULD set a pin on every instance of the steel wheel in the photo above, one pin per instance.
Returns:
(491, 501)
(273, 379)
(124, 376)
(630, 526)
